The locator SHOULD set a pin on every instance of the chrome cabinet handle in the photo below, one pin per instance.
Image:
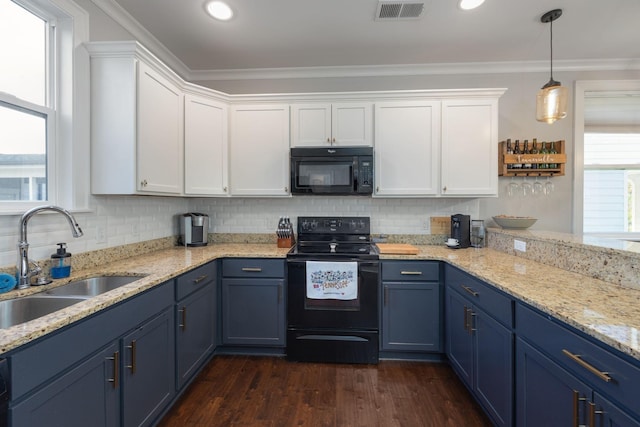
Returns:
(469, 290)
(133, 356)
(116, 368)
(200, 279)
(411, 273)
(252, 269)
(604, 376)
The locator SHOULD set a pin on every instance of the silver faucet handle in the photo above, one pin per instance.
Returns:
(36, 271)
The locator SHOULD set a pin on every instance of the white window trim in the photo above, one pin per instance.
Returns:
(68, 157)
(581, 87)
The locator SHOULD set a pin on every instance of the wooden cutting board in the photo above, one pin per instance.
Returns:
(397, 248)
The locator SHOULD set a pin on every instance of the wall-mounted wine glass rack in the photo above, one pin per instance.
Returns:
(527, 164)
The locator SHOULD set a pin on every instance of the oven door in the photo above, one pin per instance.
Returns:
(318, 175)
(360, 311)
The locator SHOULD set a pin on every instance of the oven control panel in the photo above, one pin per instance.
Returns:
(334, 225)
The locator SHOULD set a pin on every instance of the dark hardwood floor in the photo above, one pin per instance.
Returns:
(270, 391)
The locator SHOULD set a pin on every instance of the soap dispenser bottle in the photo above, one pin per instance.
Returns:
(61, 262)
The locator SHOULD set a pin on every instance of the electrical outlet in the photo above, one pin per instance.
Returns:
(101, 234)
(519, 245)
(426, 225)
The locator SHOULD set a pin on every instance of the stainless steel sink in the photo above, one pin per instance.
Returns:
(92, 286)
(21, 310)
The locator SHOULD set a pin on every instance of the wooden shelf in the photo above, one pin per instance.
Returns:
(505, 160)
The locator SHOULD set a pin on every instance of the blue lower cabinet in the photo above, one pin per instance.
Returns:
(479, 346)
(195, 332)
(88, 395)
(116, 368)
(547, 395)
(563, 378)
(411, 317)
(148, 380)
(253, 312)
(604, 413)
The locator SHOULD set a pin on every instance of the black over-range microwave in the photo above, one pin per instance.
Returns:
(332, 170)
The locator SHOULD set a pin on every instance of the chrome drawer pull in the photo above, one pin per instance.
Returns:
(200, 279)
(252, 269)
(411, 273)
(469, 290)
(604, 376)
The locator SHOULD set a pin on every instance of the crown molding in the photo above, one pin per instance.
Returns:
(415, 69)
(129, 23)
(144, 37)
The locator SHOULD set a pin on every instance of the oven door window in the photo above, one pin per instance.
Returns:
(324, 176)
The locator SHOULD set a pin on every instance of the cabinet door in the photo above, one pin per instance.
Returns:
(546, 394)
(310, 125)
(459, 342)
(205, 146)
(607, 414)
(148, 370)
(407, 136)
(87, 395)
(411, 316)
(159, 133)
(470, 147)
(351, 124)
(493, 367)
(195, 332)
(259, 149)
(253, 312)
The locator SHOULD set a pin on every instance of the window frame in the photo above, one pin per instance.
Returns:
(581, 87)
(66, 106)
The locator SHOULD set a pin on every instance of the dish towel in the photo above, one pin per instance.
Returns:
(332, 280)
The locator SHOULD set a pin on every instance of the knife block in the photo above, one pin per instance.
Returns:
(286, 242)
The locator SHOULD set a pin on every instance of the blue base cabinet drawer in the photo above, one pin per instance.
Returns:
(253, 267)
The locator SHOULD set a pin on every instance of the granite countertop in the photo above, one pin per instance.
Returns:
(603, 310)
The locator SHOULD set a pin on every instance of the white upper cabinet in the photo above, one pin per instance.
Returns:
(341, 124)
(136, 129)
(205, 146)
(470, 147)
(407, 148)
(259, 150)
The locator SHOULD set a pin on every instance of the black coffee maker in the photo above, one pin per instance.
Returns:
(461, 229)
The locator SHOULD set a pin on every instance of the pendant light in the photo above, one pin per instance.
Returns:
(551, 102)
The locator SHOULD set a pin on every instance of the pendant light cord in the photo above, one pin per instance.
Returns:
(551, 47)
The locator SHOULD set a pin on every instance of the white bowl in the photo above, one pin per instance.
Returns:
(515, 222)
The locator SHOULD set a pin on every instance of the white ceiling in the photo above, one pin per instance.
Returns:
(267, 34)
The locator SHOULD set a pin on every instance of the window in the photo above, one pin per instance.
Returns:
(43, 138)
(25, 114)
(611, 182)
(607, 158)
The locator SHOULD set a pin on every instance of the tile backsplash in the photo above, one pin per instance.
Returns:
(119, 220)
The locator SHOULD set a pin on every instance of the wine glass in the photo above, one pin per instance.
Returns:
(527, 188)
(538, 188)
(512, 188)
(549, 187)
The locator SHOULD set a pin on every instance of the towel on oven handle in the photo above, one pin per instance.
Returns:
(332, 280)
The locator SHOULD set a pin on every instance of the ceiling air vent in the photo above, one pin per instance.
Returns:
(396, 10)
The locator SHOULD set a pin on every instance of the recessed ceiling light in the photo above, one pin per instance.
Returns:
(219, 10)
(469, 4)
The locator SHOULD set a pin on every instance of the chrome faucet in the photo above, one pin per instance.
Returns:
(25, 271)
